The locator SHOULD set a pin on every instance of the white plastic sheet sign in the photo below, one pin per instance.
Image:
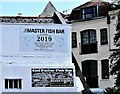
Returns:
(40, 41)
(44, 38)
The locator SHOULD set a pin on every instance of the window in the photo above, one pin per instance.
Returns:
(105, 69)
(104, 37)
(89, 68)
(88, 41)
(74, 39)
(90, 71)
(89, 12)
(13, 84)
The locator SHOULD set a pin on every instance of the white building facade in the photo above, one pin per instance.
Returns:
(92, 41)
(36, 54)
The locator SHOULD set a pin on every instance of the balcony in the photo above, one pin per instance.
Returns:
(88, 48)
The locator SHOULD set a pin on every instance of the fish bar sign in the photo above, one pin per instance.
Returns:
(44, 39)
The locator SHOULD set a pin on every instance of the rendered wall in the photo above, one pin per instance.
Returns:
(51, 45)
(103, 50)
(28, 47)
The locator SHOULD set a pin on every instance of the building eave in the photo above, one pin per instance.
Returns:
(73, 21)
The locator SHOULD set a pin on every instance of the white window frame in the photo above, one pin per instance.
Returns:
(19, 81)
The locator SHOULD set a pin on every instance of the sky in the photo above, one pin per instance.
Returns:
(35, 7)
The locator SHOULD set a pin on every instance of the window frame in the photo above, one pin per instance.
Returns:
(105, 69)
(104, 36)
(74, 40)
(88, 41)
(91, 11)
(12, 84)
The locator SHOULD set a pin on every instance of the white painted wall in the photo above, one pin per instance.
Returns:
(14, 47)
(103, 50)
(0, 59)
(24, 72)
(17, 62)
(0, 77)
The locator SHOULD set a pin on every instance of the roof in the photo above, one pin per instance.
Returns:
(91, 3)
(25, 19)
(49, 15)
(102, 10)
(48, 11)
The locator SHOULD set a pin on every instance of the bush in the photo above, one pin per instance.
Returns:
(111, 91)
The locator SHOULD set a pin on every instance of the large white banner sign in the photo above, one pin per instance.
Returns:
(52, 42)
(44, 38)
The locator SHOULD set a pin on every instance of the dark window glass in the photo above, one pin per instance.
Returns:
(85, 37)
(20, 83)
(105, 69)
(6, 83)
(89, 12)
(92, 37)
(13, 83)
(88, 41)
(74, 39)
(104, 37)
(89, 70)
(10, 83)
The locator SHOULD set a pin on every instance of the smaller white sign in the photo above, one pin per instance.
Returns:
(52, 77)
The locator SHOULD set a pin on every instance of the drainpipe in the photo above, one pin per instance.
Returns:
(97, 11)
(108, 22)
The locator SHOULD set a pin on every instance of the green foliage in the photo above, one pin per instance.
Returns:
(117, 35)
(119, 16)
(110, 91)
(115, 62)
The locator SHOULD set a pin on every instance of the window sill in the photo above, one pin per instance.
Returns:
(105, 79)
(103, 44)
(12, 90)
(88, 53)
